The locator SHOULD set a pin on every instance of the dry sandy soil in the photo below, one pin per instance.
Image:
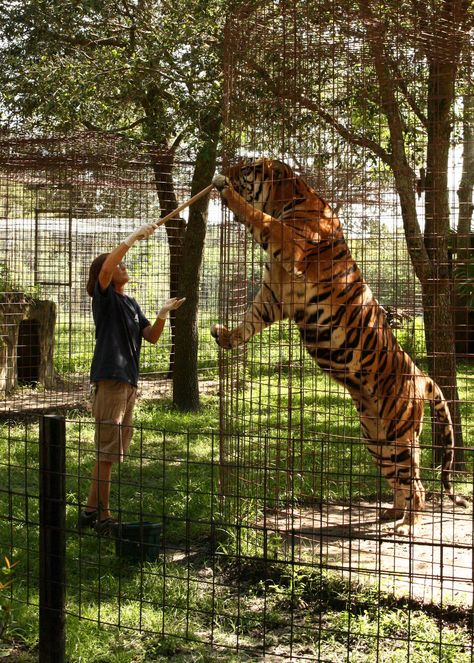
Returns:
(433, 566)
(75, 394)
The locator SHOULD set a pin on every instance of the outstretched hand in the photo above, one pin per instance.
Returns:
(143, 232)
(170, 305)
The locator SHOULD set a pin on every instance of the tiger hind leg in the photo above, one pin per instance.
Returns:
(398, 510)
(409, 502)
(401, 467)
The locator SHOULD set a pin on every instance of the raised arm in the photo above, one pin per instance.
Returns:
(116, 255)
(278, 239)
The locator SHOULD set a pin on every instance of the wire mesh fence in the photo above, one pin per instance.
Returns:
(263, 511)
(200, 584)
(65, 201)
(323, 93)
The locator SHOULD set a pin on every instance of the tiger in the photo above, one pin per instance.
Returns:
(312, 279)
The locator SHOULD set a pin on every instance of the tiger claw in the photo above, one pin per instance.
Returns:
(216, 331)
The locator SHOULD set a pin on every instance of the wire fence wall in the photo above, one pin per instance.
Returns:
(63, 202)
(198, 588)
(269, 544)
(302, 86)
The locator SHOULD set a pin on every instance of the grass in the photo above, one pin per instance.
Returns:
(236, 591)
(223, 580)
(247, 608)
(74, 349)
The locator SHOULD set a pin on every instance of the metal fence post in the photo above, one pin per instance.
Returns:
(52, 549)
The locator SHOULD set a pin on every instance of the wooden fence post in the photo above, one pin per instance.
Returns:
(52, 549)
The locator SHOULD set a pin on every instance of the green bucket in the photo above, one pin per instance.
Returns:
(139, 541)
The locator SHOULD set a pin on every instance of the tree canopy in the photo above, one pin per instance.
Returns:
(359, 89)
(148, 69)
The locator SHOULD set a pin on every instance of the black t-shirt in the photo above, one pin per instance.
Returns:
(119, 323)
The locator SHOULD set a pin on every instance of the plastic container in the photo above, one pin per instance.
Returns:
(139, 541)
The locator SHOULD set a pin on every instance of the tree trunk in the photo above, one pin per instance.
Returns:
(428, 253)
(185, 376)
(397, 158)
(464, 313)
(162, 161)
(162, 167)
(466, 184)
(439, 335)
(437, 292)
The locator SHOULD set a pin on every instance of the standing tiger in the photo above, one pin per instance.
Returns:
(312, 278)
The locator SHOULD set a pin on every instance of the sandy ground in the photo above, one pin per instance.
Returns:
(65, 395)
(75, 394)
(435, 565)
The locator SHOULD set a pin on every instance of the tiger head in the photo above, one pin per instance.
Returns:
(269, 185)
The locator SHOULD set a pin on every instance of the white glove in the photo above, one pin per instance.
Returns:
(170, 305)
(140, 233)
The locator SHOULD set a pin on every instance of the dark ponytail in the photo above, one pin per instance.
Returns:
(94, 271)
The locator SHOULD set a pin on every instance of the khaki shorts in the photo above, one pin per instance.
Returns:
(112, 406)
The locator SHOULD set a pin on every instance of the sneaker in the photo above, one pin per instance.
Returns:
(106, 527)
(86, 519)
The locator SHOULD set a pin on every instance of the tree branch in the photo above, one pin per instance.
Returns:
(403, 173)
(403, 87)
(343, 131)
(93, 127)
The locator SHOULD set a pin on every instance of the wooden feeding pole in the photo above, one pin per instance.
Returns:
(180, 208)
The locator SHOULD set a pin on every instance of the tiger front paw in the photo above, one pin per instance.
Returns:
(222, 184)
(222, 336)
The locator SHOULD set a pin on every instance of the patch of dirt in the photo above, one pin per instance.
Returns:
(74, 394)
(153, 388)
(435, 565)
